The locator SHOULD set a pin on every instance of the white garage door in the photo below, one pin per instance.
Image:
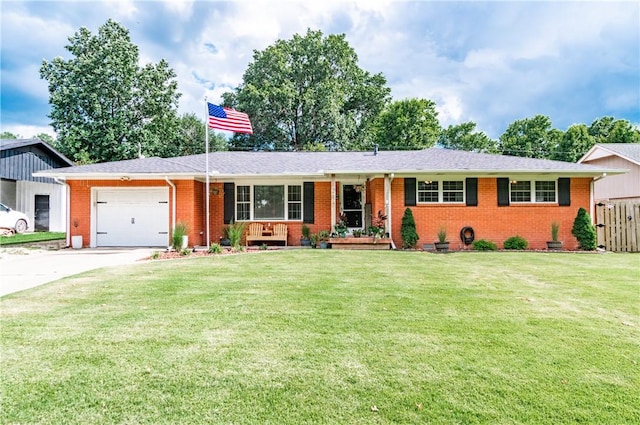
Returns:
(132, 217)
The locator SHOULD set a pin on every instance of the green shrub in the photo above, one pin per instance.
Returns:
(215, 248)
(516, 242)
(181, 229)
(484, 245)
(235, 232)
(408, 230)
(584, 231)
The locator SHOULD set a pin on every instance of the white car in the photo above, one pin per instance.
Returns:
(15, 221)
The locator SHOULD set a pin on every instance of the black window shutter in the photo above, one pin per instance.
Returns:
(564, 192)
(471, 187)
(410, 192)
(308, 193)
(229, 202)
(503, 192)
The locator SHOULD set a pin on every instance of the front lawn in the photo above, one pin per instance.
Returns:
(22, 238)
(330, 337)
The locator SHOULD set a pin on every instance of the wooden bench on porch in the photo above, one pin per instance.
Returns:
(256, 232)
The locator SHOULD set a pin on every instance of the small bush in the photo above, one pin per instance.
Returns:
(408, 230)
(484, 245)
(264, 247)
(181, 229)
(185, 252)
(215, 248)
(516, 242)
(235, 231)
(584, 231)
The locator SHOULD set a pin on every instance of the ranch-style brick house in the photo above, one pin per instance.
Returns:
(137, 202)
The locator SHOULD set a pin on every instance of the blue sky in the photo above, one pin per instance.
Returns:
(487, 62)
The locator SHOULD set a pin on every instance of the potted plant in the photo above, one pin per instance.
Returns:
(314, 238)
(377, 228)
(224, 239)
(341, 226)
(323, 237)
(357, 233)
(76, 240)
(180, 236)
(442, 244)
(554, 243)
(305, 239)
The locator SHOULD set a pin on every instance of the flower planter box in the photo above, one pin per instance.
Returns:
(363, 242)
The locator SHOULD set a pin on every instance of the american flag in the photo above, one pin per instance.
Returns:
(228, 119)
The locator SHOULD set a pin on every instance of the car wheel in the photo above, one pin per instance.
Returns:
(21, 226)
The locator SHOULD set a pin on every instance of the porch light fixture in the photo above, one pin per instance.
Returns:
(513, 181)
(215, 191)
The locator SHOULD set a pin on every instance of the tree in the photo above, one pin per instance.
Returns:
(104, 106)
(611, 130)
(575, 142)
(530, 137)
(406, 124)
(584, 231)
(305, 93)
(189, 138)
(408, 230)
(462, 137)
(8, 135)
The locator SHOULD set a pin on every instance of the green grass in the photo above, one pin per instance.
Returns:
(320, 337)
(31, 237)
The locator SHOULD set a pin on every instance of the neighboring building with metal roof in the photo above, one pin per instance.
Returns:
(41, 198)
(616, 155)
(137, 202)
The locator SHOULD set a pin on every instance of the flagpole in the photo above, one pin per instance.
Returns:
(206, 150)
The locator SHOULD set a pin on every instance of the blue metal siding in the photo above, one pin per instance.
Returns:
(19, 164)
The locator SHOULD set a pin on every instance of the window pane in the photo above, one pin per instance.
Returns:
(242, 211)
(452, 191)
(521, 191)
(452, 197)
(295, 193)
(268, 202)
(545, 191)
(295, 211)
(452, 185)
(428, 191)
(243, 193)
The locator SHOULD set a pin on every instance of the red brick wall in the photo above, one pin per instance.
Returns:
(533, 222)
(488, 220)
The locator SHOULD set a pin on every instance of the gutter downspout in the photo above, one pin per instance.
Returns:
(67, 221)
(388, 178)
(592, 198)
(173, 204)
(333, 202)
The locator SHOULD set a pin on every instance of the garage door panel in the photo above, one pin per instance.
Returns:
(132, 217)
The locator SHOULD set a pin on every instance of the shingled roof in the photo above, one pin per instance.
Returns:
(628, 151)
(246, 164)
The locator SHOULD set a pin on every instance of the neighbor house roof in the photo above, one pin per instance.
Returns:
(628, 151)
(319, 164)
(9, 144)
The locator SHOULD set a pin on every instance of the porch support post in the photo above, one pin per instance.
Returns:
(387, 204)
(333, 202)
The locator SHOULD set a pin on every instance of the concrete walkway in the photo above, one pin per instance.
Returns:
(24, 268)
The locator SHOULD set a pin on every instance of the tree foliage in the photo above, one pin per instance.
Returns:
(104, 106)
(530, 137)
(307, 93)
(574, 143)
(408, 230)
(584, 231)
(406, 124)
(464, 137)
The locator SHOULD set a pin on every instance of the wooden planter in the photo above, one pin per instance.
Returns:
(363, 242)
(442, 246)
(554, 245)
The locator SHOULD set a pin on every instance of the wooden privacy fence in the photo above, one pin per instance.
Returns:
(618, 225)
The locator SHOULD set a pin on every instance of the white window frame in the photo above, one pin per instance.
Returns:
(533, 190)
(441, 191)
(251, 201)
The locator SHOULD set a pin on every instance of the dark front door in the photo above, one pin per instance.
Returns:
(41, 219)
(352, 205)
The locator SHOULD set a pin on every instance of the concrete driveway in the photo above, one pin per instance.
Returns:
(23, 268)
